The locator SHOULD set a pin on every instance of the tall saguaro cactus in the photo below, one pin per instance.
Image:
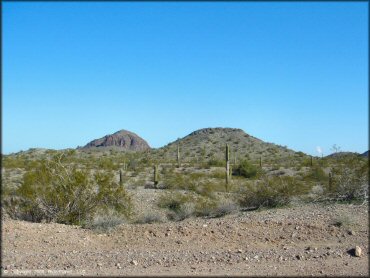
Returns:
(178, 155)
(155, 178)
(260, 161)
(227, 157)
(120, 178)
(330, 181)
(311, 161)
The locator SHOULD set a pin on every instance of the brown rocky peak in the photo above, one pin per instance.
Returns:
(123, 139)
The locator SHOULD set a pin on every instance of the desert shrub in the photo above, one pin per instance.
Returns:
(184, 211)
(57, 192)
(342, 221)
(216, 162)
(195, 182)
(216, 209)
(104, 222)
(350, 180)
(172, 200)
(150, 218)
(181, 205)
(272, 192)
(316, 174)
(219, 174)
(246, 169)
(107, 164)
(12, 162)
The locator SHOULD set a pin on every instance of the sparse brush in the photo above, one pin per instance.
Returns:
(272, 192)
(150, 218)
(342, 221)
(225, 208)
(57, 192)
(104, 222)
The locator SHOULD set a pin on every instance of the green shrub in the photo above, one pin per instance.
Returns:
(272, 192)
(246, 169)
(216, 162)
(350, 180)
(57, 192)
(316, 174)
(150, 218)
(181, 205)
(104, 222)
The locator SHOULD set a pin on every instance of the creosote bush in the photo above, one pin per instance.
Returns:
(350, 180)
(246, 169)
(272, 192)
(182, 205)
(104, 221)
(64, 194)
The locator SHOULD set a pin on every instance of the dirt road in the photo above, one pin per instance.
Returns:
(305, 240)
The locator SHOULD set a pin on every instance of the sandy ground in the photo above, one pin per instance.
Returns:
(300, 240)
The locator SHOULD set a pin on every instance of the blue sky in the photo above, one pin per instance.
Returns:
(291, 73)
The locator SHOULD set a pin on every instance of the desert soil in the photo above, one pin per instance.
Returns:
(300, 241)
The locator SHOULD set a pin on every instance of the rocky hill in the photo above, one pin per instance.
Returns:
(121, 140)
(343, 154)
(209, 143)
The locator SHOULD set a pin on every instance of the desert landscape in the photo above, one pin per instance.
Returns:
(216, 202)
(185, 138)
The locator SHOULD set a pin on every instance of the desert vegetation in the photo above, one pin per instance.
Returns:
(198, 176)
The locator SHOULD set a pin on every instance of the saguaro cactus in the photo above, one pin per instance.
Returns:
(178, 155)
(311, 161)
(261, 161)
(227, 157)
(120, 178)
(155, 178)
(330, 181)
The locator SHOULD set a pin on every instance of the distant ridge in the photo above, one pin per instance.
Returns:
(343, 154)
(122, 140)
(209, 143)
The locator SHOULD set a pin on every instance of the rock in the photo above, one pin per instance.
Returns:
(351, 233)
(358, 251)
(256, 257)
(240, 251)
(134, 262)
(123, 139)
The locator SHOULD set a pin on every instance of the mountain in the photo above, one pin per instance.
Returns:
(365, 154)
(209, 143)
(342, 154)
(121, 140)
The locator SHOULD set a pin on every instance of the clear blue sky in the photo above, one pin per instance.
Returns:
(291, 73)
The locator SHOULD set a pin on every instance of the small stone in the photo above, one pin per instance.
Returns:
(256, 257)
(205, 225)
(358, 251)
(299, 257)
(134, 262)
(240, 251)
(351, 233)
